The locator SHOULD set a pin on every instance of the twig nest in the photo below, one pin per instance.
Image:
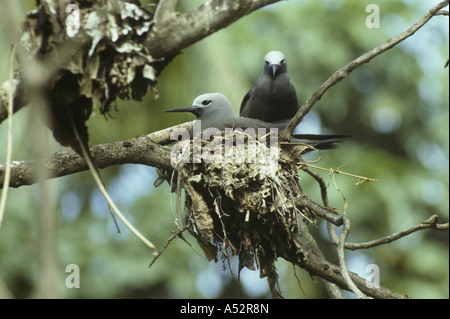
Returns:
(240, 200)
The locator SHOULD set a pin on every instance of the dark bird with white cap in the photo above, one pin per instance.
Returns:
(272, 98)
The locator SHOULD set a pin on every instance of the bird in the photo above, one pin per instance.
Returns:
(214, 110)
(273, 97)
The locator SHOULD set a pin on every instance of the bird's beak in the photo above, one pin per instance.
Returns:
(274, 68)
(193, 109)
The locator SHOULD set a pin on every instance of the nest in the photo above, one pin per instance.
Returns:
(241, 200)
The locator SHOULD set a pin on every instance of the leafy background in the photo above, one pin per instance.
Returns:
(395, 108)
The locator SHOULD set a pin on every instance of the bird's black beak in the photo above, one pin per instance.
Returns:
(274, 68)
(193, 109)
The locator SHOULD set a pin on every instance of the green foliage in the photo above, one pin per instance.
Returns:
(395, 108)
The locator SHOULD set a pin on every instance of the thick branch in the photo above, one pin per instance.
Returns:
(180, 31)
(139, 150)
(345, 71)
(145, 150)
(332, 273)
(165, 10)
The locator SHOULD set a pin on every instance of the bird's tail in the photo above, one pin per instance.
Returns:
(318, 141)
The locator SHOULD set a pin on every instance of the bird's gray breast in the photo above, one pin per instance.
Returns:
(276, 89)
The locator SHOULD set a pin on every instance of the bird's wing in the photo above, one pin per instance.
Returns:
(245, 100)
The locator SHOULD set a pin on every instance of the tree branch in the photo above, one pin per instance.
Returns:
(331, 272)
(145, 150)
(345, 71)
(180, 31)
(139, 150)
(312, 246)
(165, 10)
(17, 95)
(323, 212)
(429, 223)
(350, 279)
(341, 254)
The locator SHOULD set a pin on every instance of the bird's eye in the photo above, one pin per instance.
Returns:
(283, 61)
(267, 62)
(206, 102)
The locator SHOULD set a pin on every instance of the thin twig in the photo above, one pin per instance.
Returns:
(323, 188)
(114, 208)
(429, 223)
(298, 280)
(362, 179)
(345, 71)
(139, 150)
(176, 234)
(343, 265)
(95, 174)
(9, 143)
(178, 220)
(321, 182)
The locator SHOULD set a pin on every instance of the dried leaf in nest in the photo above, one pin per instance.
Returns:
(245, 205)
